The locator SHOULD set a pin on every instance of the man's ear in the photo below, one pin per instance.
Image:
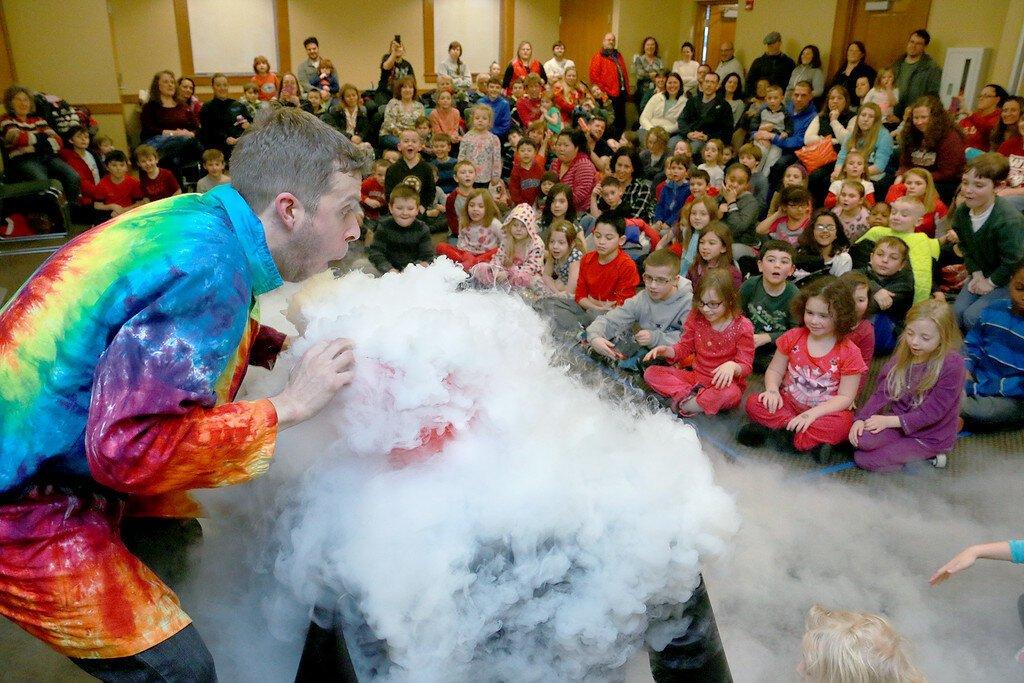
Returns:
(288, 209)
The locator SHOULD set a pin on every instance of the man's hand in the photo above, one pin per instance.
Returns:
(322, 371)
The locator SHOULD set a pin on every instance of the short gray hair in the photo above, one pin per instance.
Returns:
(289, 150)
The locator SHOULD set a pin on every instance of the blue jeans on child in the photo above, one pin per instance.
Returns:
(968, 306)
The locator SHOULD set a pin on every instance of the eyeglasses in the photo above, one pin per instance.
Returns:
(710, 304)
(656, 280)
(824, 227)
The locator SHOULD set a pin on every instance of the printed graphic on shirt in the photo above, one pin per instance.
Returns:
(810, 385)
(1016, 177)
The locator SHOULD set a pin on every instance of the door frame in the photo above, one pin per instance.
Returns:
(698, 37)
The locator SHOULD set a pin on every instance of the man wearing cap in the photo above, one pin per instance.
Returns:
(773, 65)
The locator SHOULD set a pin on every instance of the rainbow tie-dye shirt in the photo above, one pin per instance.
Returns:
(119, 360)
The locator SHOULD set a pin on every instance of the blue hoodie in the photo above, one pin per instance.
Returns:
(995, 353)
(671, 202)
(502, 115)
(800, 123)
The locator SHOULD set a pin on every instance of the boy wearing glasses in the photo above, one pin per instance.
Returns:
(765, 299)
(654, 317)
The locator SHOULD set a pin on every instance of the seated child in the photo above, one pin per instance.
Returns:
(711, 153)
(607, 278)
(771, 122)
(250, 100)
(765, 299)
(912, 414)
(863, 335)
(480, 231)
(401, 238)
(552, 115)
(213, 163)
(674, 194)
(654, 156)
(995, 363)
(88, 167)
(547, 181)
(524, 182)
(465, 175)
(607, 198)
(851, 209)
(879, 214)
(434, 215)
(918, 184)
(892, 290)
(739, 210)
(854, 168)
(700, 185)
(812, 381)
(714, 250)
(371, 194)
(562, 260)
(653, 317)
(789, 221)
(157, 183)
(822, 249)
(720, 341)
(750, 155)
(519, 261)
(923, 251)
(411, 168)
(853, 647)
(423, 129)
(118, 191)
(558, 205)
(683, 238)
(991, 234)
(443, 162)
(795, 175)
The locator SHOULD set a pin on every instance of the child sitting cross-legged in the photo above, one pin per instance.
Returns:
(519, 261)
(853, 647)
(812, 381)
(401, 239)
(480, 231)
(654, 317)
(765, 299)
(995, 363)
(892, 290)
(118, 191)
(562, 260)
(912, 415)
(721, 342)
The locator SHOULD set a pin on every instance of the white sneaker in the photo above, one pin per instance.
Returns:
(939, 460)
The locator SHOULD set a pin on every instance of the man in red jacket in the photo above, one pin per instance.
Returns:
(608, 71)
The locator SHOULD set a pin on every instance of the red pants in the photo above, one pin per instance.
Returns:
(466, 259)
(831, 429)
(677, 384)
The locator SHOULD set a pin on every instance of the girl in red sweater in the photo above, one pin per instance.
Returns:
(918, 184)
(720, 342)
(931, 140)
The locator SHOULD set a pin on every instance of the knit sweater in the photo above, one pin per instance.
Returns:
(998, 245)
(34, 135)
(664, 319)
(397, 247)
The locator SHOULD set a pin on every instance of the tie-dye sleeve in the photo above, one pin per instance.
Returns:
(266, 347)
(158, 420)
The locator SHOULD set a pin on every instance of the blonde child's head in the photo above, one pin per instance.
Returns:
(481, 117)
(712, 152)
(854, 166)
(479, 208)
(921, 186)
(885, 78)
(854, 647)
(930, 333)
(657, 139)
(906, 214)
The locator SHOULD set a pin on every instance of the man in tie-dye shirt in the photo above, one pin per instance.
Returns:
(119, 363)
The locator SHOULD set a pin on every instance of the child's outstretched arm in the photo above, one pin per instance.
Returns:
(1009, 551)
(848, 386)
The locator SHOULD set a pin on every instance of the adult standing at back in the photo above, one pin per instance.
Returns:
(393, 66)
(556, 66)
(916, 72)
(773, 65)
(644, 68)
(309, 68)
(856, 67)
(522, 66)
(608, 72)
(728, 63)
(686, 67)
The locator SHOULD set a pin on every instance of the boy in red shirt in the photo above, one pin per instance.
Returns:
(157, 183)
(607, 278)
(524, 182)
(371, 193)
(117, 192)
(465, 176)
